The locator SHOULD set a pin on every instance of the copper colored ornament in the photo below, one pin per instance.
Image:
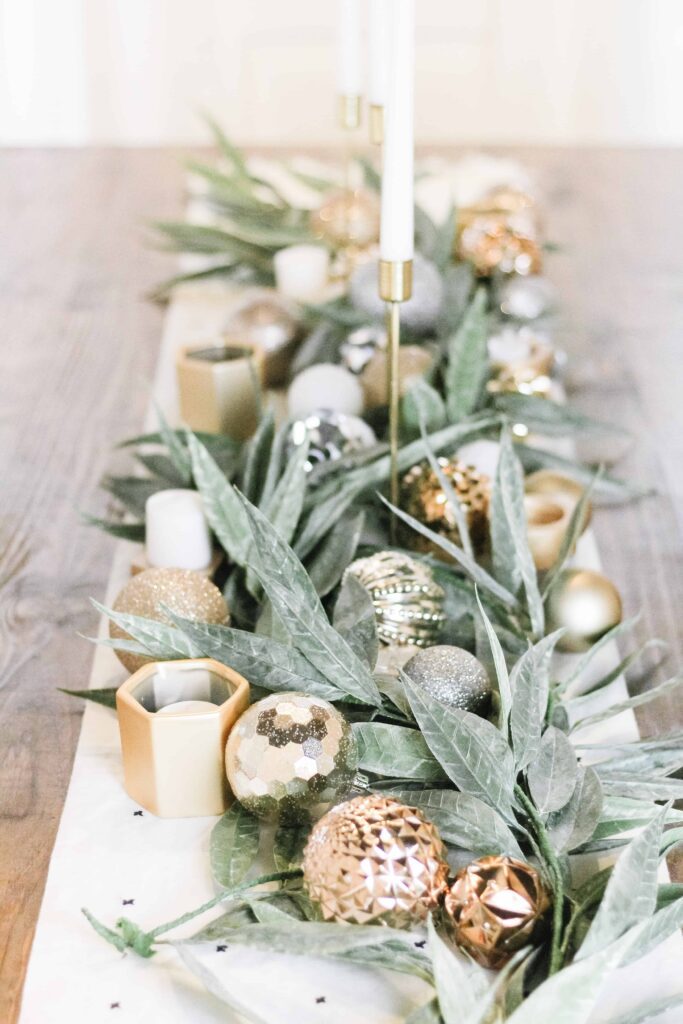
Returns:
(408, 602)
(348, 219)
(184, 591)
(269, 321)
(373, 860)
(423, 497)
(586, 604)
(495, 906)
(290, 757)
(413, 361)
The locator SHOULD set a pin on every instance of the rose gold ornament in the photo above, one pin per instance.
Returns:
(495, 906)
(372, 860)
(423, 497)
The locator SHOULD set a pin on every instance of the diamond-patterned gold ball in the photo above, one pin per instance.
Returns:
(373, 860)
(408, 602)
(423, 497)
(187, 593)
(290, 757)
(495, 906)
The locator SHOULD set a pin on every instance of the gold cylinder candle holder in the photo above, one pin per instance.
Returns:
(376, 123)
(219, 386)
(174, 720)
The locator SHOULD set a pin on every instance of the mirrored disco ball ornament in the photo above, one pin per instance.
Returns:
(452, 676)
(361, 345)
(423, 497)
(267, 320)
(496, 906)
(408, 602)
(373, 860)
(419, 314)
(526, 298)
(348, 218)
(331, 436)
(290, 757)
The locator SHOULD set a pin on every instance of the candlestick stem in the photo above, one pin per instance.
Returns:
(395, 286)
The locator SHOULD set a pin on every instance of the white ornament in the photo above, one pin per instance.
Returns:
(324, 386)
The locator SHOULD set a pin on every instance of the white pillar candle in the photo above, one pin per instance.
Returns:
(187, 707)
(177, 534)
(397, 230)
(379, 32)
(349, 66)
(302, 272)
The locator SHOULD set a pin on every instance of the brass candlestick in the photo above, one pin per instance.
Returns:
(395, 286)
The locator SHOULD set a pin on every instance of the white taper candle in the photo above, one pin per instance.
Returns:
(379, 28)
(397, 227)
(349, 64)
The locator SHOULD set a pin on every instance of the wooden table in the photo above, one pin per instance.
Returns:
(80, 345)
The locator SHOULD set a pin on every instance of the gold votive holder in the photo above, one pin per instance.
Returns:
(174, 720)
(219, 386)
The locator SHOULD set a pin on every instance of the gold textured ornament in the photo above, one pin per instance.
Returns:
(413, 361)
(501, 233)
(290, 757)
(373, 860)
(423, 497)
(348, 219)
(186, 592)
(408, 601)
(267, 320)
(496, 906)
(586, 604)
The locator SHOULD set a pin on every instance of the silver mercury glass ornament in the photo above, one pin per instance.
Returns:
(360, 346)
(452, 676)
(331, 436)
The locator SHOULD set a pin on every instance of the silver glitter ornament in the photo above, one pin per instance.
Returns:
(290, 757)
(452, 676)
(527, 298)
(264, 318)
(331, 436)
(361, 345)
(408, 601)
(419, 313)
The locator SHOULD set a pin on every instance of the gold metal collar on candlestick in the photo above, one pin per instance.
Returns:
(349, 112)
(376, 123)
(395, 286)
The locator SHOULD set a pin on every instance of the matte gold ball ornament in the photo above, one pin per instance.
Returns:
(413, 361)
(373, 860)
(290, 757)
(586, 604)
(185, 592)
(496, 906)
(408, 602)
(423, 497)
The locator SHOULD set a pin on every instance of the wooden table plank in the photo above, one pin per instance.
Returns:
(80, 346)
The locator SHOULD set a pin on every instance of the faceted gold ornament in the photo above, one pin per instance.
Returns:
(501, 233)
(423, 497)
(586, 604)
(348, 218)
(408, 601)
(184, 591)
(372, 860)
(290, 757)
(495, 906)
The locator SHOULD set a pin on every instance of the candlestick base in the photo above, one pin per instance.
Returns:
(376, 123)
(395, 280)
(349, 112)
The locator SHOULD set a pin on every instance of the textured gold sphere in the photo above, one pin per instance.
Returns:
(269, 321)
(586, 604)
(423, 497)
(408, 602)
(349, 218)
(185, 592)
(413, 361)
(290, 757)
(495, 906)
(501, 234)
(373, 860)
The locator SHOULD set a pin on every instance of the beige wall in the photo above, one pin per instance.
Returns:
(138, 71)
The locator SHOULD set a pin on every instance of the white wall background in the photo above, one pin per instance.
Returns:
(137, 72)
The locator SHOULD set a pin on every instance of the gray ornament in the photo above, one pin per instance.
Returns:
(331, 436)
(452, 676)
(527, 298)
(419, 313)
(360, 346)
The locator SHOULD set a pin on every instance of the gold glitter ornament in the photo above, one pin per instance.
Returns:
(423, 497)
(408, 602)
(496, 906)
(413, 361)
(586, 604)
(186, 592)
(348, 219)
(290, 757)
(373, 860)
(452, 676)
(501, 233)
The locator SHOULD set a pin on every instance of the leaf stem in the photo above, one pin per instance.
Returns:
(555, 872)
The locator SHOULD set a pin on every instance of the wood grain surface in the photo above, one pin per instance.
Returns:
(79, 346)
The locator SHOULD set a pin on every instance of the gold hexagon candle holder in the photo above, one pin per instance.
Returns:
(174, 719)
(219, 386)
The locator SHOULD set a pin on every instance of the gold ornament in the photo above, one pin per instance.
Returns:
(501, 233)
(586, 604)
(290, 757)
(413, 361)
(452, 676)
(184, 591)
(373, 860)
(267, 320)
(407, 600)
(495, 906)
(423, 497)
(348, 219)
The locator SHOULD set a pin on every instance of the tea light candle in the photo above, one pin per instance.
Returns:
(302, 272)
(186, 707)
(177, 534)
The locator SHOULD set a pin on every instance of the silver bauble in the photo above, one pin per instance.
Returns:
(264, 318)
(452, 676)
(331, 436)
(420, 313)
(527, 298)
(290, 757)
(361, 345)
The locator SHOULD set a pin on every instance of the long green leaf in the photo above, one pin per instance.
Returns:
(504, 690)
(464, 820)
(467, 366)
(233, 846)
(553, 773)
(395, 751)
(529, 682)
(222, 505)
